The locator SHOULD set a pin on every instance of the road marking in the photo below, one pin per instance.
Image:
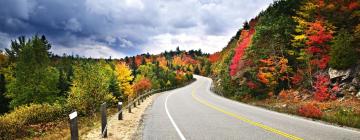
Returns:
(171, 119)
(268, 128)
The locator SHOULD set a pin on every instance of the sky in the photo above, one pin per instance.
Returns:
(119, 28)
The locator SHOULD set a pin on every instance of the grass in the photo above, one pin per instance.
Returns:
(343, 116)
(61, 128)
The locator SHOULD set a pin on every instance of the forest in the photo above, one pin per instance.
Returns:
(299, 57)
(39, 87)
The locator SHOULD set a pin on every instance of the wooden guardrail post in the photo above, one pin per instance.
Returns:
(103, 120)
(129, 107)
(134, 103)
(73, 126)
(120, 117)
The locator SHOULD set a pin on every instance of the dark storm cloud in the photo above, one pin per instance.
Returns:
(123, 27)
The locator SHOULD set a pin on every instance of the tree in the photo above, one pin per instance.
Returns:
(66, 72)
(142, 85)
(90, 86)
(148, 71)
(124, 77)
(4, 102)
(343, 53)
(35, 80)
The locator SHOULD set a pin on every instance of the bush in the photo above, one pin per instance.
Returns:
(310, 110)
(13, 124)
(321, 87)
(343, 53)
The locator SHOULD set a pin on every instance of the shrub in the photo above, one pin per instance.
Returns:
(13, 124)
(310, 110)
(321, 87)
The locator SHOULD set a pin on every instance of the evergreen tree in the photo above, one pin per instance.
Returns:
(343, 53)
(35, 80)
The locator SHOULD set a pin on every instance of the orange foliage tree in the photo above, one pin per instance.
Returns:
(142, 85)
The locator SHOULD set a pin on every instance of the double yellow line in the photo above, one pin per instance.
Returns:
(268, 128)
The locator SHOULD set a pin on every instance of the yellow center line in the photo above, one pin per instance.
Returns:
(268, 128)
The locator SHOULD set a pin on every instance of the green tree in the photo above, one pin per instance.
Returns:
(148, 71)
(343, 53)
(66, 72)
(4, 102)
(35, 80)
(90, 86)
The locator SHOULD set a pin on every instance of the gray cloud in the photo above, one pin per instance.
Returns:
(127, 27)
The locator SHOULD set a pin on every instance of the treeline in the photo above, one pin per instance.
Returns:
(37, 86)
(292, 49)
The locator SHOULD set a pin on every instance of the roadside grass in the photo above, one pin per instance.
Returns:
(343, 116)
(346, 113)
(61, 129)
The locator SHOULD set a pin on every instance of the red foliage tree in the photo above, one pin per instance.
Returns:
(251, 85)
(297, 78)
(240, 50)
(322, 87)
(318, 38)
(188, 60)
(142, 85)
(353, 5)
(214, 57)
(138, 60)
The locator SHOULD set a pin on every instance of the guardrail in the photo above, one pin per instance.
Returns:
(104, 122)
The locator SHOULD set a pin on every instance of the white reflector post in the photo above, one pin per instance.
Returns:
(73, 115)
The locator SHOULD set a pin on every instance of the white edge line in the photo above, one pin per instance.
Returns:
(171, 119)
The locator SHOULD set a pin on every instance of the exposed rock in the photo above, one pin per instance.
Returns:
(352, 89)
(358, 94)
(342, 99)
(355, 82)
(305, 97)
(343, 74)
(340, 94)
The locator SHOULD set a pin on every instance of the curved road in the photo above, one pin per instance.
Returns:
(195, 113)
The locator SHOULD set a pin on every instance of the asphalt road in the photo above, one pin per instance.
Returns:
(195, 113)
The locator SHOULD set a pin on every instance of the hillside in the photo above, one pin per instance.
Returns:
(299, 57)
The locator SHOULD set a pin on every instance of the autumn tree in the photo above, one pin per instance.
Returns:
(149, 71)
(124, 77)
(142, 85)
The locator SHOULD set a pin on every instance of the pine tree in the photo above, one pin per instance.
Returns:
(35, 80)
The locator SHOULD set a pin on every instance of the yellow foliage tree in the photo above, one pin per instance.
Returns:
(124, 76)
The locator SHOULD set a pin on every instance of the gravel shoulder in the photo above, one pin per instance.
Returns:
(127, 129)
